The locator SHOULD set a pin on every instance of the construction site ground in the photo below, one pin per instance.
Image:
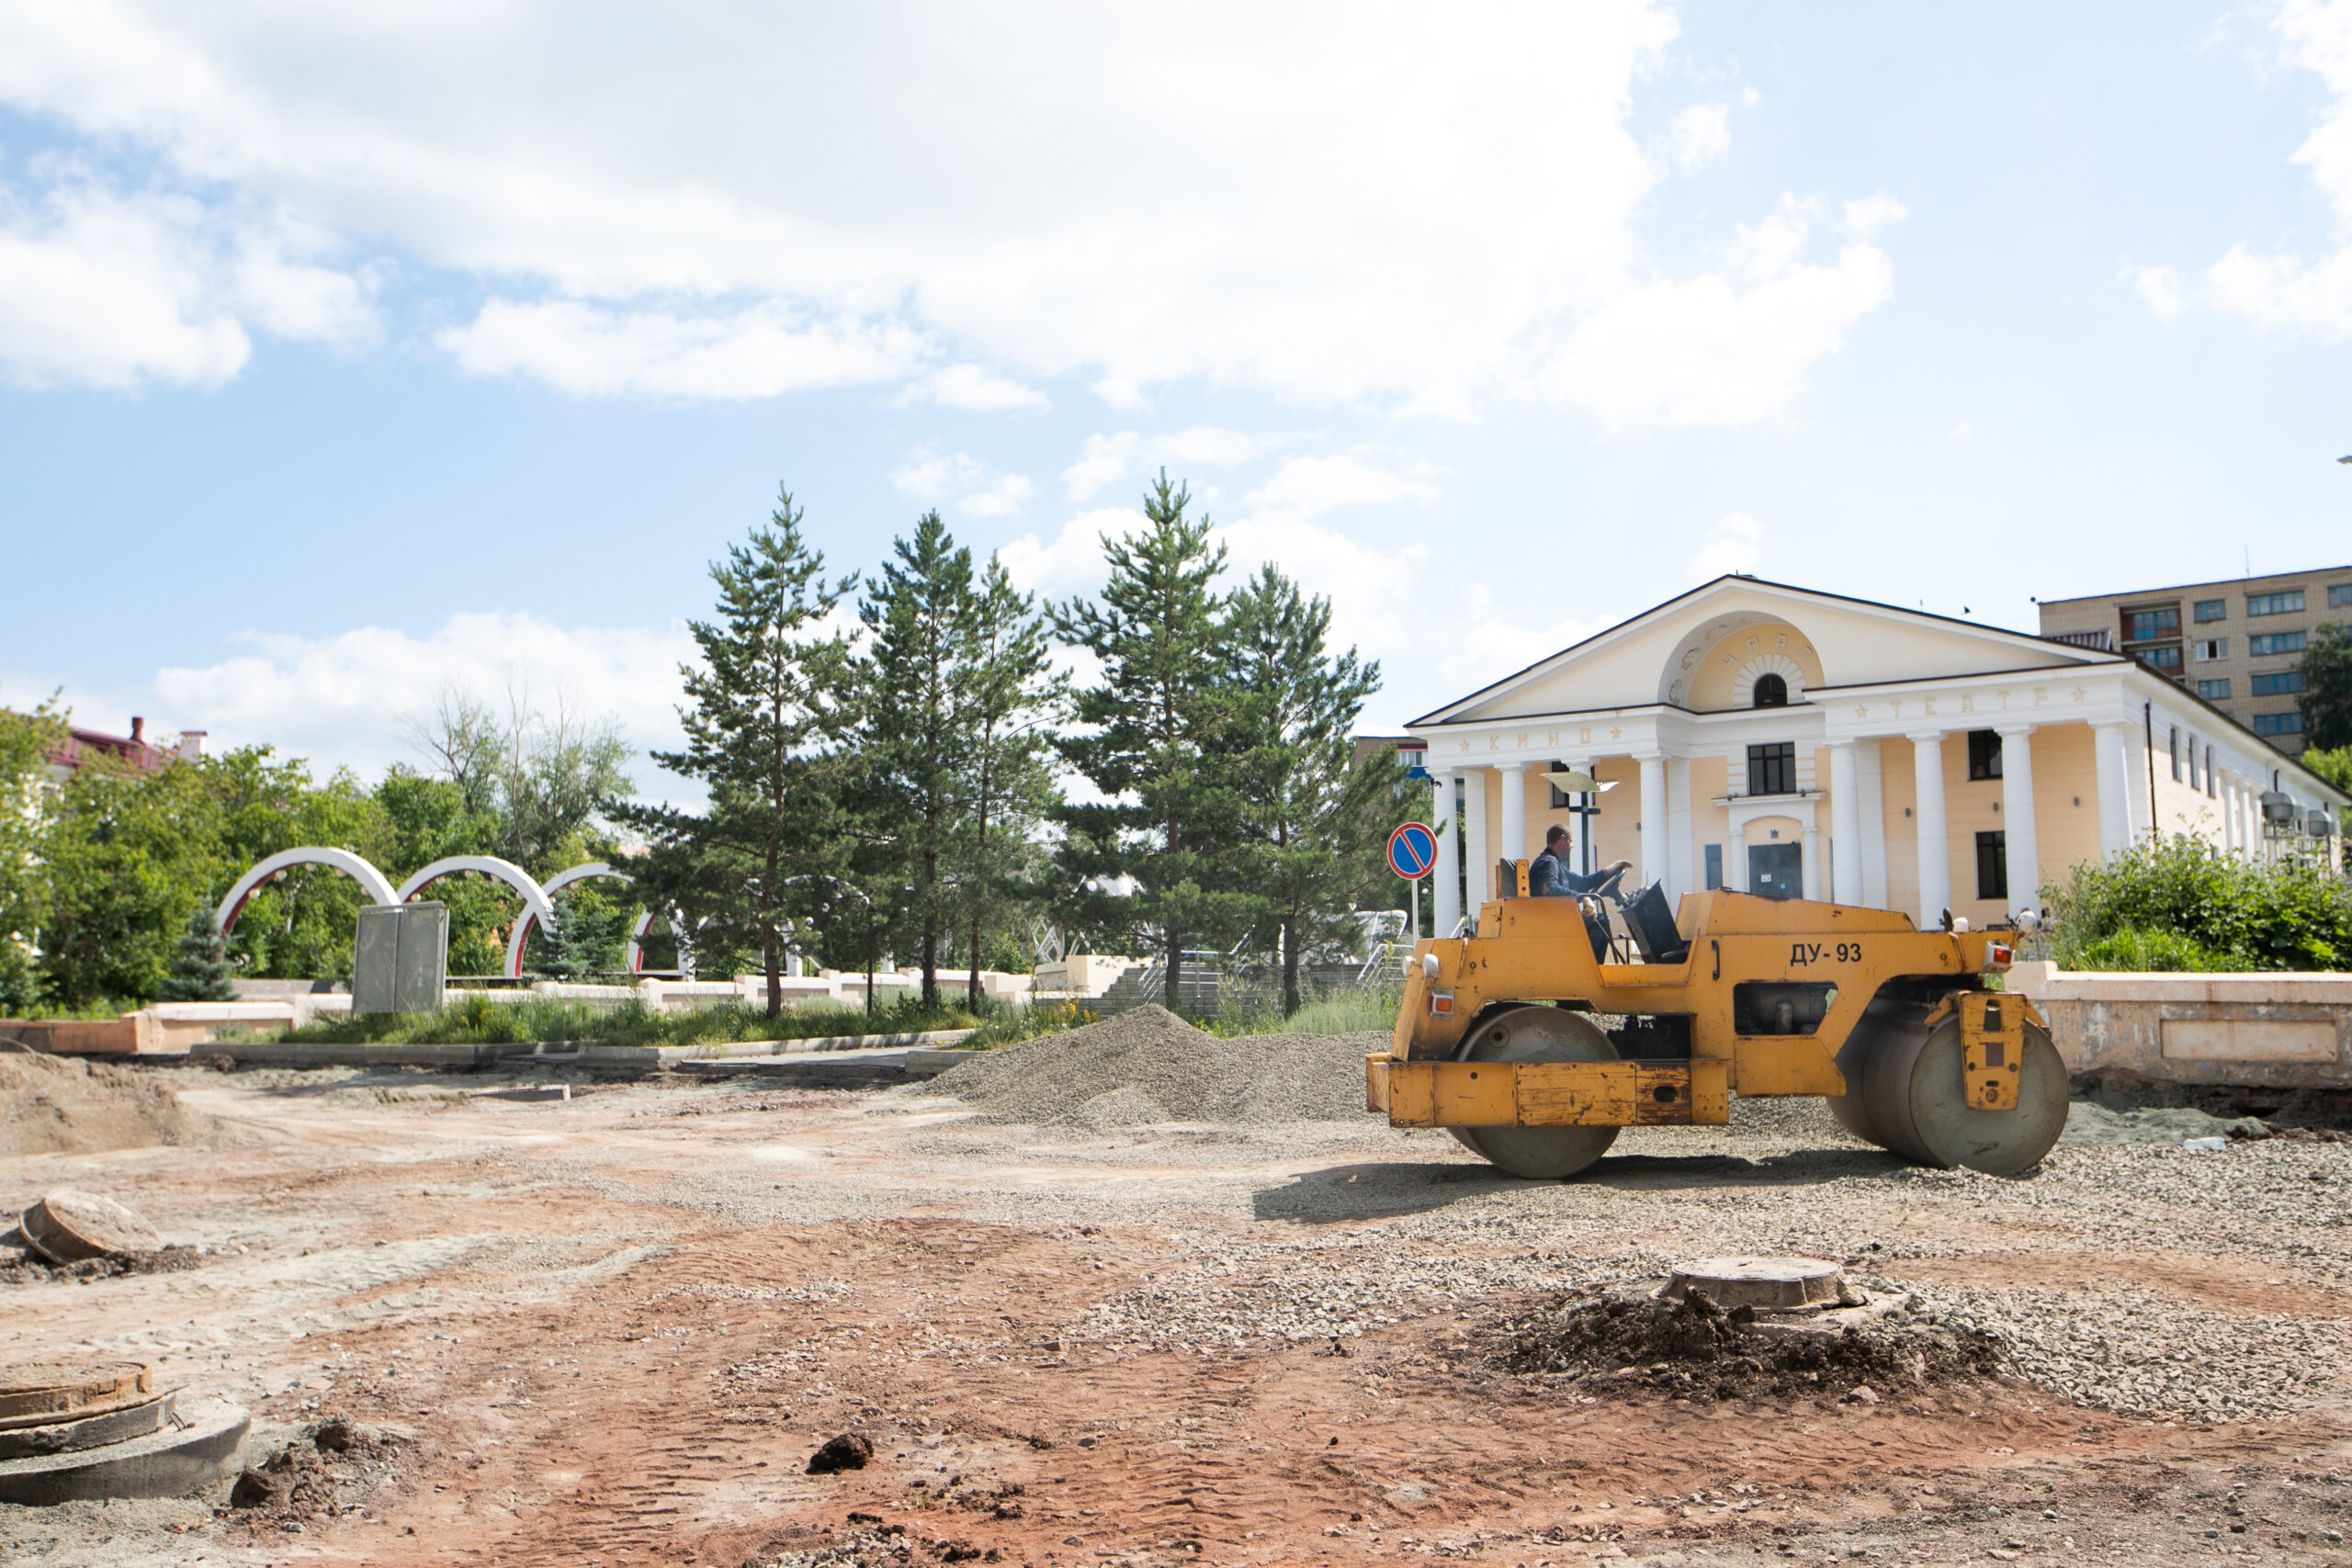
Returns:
(612, 1330)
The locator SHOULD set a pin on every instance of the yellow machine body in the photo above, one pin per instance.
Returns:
(1536, 950)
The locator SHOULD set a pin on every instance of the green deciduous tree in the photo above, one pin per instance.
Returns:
(2326, 701)
(1315, 817)
(762, 702)
(1161, 726)
(28, 798)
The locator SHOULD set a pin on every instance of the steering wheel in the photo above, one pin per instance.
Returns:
(1609, 889)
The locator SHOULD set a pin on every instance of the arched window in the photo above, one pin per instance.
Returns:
(1771, 692)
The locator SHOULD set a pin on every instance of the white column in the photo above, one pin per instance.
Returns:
(1736, 858)
(1935, 843)
(1514, 833)
(1478, 887)
(1656, 817)
(1447, 912)
(1845, 825)
(1809, 862)
(2110, 746)
(1681, 876)
(2017, 819)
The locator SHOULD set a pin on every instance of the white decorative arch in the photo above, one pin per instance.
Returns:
(643, 924)
(543, 912)
(374, 883)
(534, 898)
(1744, 679)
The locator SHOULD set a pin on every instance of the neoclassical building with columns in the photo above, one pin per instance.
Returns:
(1777, 739)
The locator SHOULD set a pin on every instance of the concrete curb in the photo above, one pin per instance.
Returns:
(626, 1058)
(881, 1066)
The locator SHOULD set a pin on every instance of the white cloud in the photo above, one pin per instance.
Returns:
(973, 387)
(962, 483)
(1359, 205)
(1130, 455)
(110, 292)
(1308, 487)
(1709, 351)
(337, 700)
(1734, 545)
(2159, 288)
(1073, 561)
(1699, 135)
(2285, 288)
(758, 351)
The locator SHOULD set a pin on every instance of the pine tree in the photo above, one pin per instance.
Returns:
(1162, 723)
(1009, 690)
(1316, 816)
(913, 724)
(200, 968)
(766, 700)
(588, 936)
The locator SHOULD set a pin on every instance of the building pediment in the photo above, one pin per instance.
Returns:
(1706, 651)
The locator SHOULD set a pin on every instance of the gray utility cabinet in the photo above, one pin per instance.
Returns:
(402, 960)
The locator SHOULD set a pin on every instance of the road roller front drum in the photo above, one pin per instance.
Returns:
(1906, 1091)
(1537, 1034)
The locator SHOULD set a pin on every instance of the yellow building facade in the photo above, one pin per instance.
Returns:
(1777, 739)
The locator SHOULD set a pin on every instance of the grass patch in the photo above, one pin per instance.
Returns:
(543, 1021)
(1349, 1011)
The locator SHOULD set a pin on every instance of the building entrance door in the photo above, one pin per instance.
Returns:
(1776, 871)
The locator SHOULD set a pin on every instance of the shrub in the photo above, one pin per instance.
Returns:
(2182, 901)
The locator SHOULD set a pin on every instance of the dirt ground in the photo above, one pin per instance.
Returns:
(612, 1331)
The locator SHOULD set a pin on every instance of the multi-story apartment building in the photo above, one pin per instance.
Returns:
(2238, 644)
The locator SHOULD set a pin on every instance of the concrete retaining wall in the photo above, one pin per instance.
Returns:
(2268, 1031)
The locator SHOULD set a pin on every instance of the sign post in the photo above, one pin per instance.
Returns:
(1412, 851)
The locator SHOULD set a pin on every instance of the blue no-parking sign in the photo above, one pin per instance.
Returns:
(1412, 850)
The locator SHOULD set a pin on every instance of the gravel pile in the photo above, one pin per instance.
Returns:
(1149, 1065)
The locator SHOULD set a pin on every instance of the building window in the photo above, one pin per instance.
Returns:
(2166, 657)
(2212, 610)
(1771, 692)
(1984, 754)
(2214, 690)
(2276, 642)
(2339, 595)
(1772, 769)
(2213, 649)
(2286, 601)
(2176, 753)
(2278, 724)
(2280, 683)
(1560, 798)
(2212, 787)
(1714, 865)
(1993, 866)
(2193, 782)
(2147, 626)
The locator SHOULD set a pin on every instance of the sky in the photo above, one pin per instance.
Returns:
(349, 353)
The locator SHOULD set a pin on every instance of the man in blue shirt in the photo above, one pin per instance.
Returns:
(1550, 878)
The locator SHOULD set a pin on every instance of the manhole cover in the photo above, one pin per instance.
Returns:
(35, 1393)
(1768, 1284)
(68, 1227)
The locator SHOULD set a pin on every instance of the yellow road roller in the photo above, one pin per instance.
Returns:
(1559, 1021)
